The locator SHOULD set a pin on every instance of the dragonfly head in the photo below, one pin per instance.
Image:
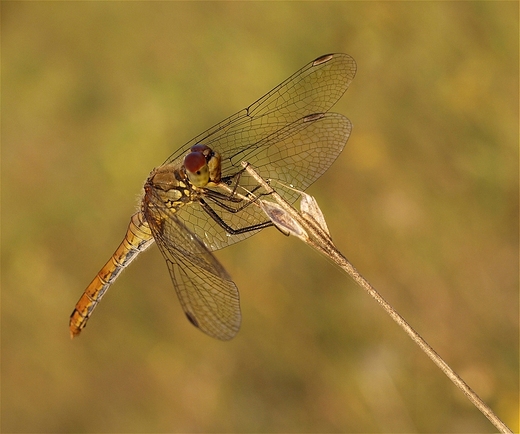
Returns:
(202, 166)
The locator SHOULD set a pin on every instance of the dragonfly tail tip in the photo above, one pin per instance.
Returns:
(74, 333)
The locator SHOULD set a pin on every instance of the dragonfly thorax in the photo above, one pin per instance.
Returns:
(168, 185)
(167, 177)
(175, 184)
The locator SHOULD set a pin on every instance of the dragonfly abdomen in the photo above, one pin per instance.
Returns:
(137, 239)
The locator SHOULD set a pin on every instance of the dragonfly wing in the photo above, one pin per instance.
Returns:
(315, 88)
(207, 294)
(276, 134)
(297, 155)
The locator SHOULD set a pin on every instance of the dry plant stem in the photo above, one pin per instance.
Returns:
(316, 237)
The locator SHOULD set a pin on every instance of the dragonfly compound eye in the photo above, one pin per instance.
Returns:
(214, 165)
(203, 149)
(197, 169)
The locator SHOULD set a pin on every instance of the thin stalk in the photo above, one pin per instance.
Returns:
(310, 227)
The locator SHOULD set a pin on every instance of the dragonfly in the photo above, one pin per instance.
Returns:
(201, 199)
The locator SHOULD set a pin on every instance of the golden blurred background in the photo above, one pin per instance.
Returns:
(423, 201)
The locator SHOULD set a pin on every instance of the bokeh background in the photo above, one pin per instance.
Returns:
(423, 201)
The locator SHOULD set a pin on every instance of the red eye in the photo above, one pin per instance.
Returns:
(199, 148)
(194, 161)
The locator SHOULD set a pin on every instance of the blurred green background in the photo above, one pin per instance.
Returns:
(423, 201)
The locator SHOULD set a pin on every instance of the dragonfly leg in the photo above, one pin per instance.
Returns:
(233, 180)
(220, 199)
(211, 212)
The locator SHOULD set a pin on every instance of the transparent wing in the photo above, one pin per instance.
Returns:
(296, 154)
(315, 88)
(207, 294)
(275, 135)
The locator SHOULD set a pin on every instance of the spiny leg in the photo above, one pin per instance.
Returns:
(207, 208)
